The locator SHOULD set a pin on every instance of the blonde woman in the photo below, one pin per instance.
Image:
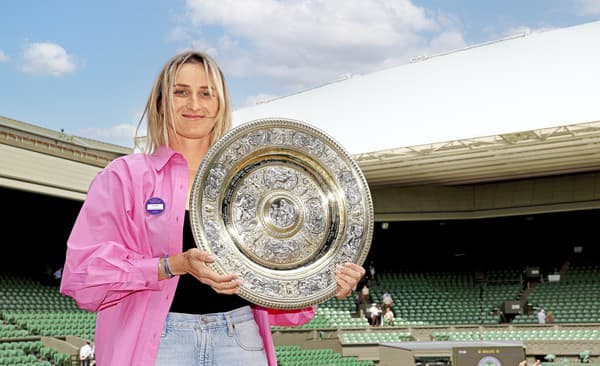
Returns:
(131, 256)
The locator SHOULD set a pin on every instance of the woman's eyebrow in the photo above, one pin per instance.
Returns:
(188, 86)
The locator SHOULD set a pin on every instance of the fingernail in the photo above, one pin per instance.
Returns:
(211, 257)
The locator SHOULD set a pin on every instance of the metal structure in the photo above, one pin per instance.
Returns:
(526, 154)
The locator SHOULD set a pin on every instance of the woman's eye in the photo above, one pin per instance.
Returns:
(180, 92)
(206, 94)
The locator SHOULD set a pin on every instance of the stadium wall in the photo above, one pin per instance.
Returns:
(520, 197)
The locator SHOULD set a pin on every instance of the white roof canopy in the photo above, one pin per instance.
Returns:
(526, 82)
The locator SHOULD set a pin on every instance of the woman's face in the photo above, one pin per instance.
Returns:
(194, 105)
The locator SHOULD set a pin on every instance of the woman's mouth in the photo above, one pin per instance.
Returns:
(192, 116)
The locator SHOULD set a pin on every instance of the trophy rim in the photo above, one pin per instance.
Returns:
(197, 190)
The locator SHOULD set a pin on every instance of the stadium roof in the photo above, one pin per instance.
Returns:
(519, 107)
(39, 160)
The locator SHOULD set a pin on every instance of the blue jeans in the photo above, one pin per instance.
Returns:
(228, 339)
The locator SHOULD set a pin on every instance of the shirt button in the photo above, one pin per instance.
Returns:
(181, 186)
(177, 218)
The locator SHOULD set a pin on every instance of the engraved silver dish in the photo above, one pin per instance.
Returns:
(281, 203)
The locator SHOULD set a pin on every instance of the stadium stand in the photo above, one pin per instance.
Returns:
(572, 300)
(464, 307)
(456, 310)
(31, 315)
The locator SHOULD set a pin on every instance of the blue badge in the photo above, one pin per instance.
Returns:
(155, 205)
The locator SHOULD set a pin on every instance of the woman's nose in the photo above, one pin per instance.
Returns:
(195, 103)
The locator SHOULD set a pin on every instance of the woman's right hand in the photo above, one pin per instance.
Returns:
(195, 262)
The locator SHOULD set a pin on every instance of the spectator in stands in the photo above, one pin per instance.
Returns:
(386, 294)
(365, 294)
(388, 316)
(93, 355)
(374, 314)
(541, 315)
(85, 354)
(372, 274)
(549, 317)
(131, 256)
(386, 300)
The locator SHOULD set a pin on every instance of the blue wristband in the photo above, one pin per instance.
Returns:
(166, 267)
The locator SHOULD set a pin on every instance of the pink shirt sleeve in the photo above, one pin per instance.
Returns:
(105, 260)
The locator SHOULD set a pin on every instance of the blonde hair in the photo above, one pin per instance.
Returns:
(161, 96)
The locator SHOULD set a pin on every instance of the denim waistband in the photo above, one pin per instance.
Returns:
(214, 320)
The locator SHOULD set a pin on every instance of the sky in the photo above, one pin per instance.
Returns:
(86, 67)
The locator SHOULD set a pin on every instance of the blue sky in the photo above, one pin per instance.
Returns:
(87, 66)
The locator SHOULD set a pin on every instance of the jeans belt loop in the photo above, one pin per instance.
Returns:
(230, 326)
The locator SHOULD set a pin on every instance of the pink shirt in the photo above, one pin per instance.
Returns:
(112, 258)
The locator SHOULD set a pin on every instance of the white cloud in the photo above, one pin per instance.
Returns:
(303, 43)
(47, 59)
(588, 7)
(3, 56)
(121, 134)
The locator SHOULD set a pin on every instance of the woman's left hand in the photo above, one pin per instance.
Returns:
(347, 278)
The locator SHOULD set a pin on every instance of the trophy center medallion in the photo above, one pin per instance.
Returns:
(283, 212)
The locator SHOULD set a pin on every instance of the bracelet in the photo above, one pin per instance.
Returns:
(166, 267)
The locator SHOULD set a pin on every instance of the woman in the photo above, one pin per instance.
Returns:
(131, 256)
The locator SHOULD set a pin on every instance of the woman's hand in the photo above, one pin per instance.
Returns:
(347, 278)
(197, 266)
(194, 262)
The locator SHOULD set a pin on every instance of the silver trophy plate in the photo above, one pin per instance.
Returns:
(281, 203)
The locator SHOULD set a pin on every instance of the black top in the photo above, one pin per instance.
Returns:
(194, 297)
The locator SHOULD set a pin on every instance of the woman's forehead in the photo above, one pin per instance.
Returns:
(192, 73)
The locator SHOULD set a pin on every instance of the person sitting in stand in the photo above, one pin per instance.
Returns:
(85, 354)
(549, 317)
(374, 314)
(541, 315)
(388, 317)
